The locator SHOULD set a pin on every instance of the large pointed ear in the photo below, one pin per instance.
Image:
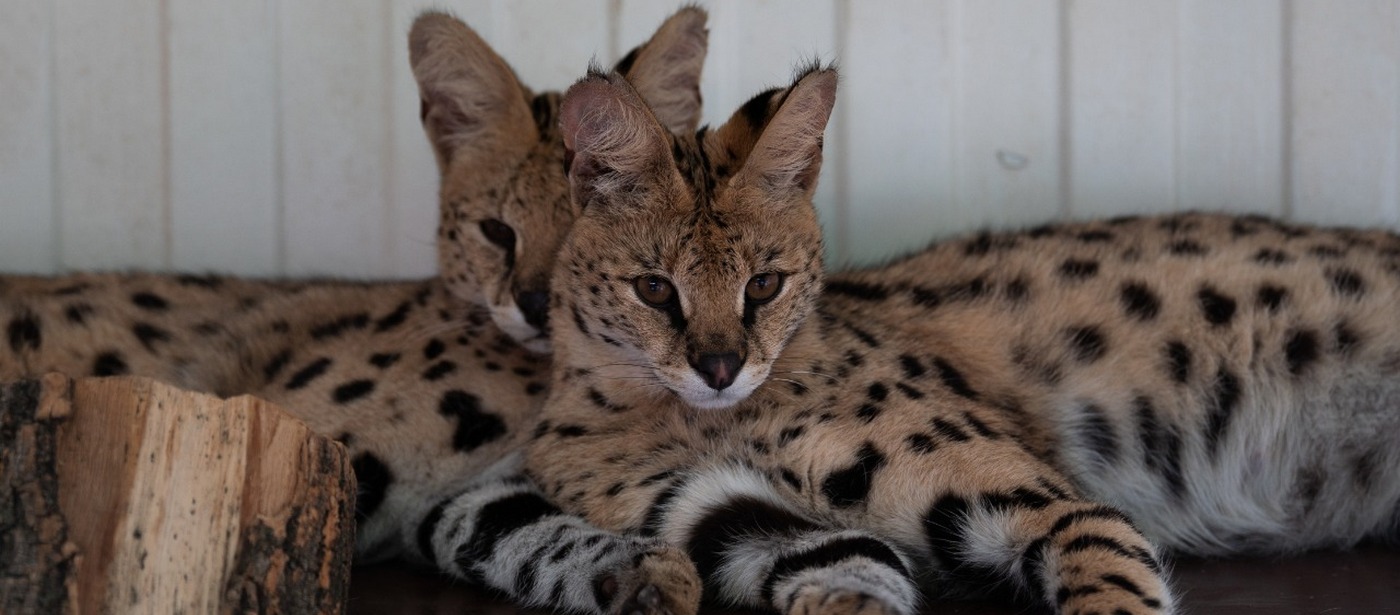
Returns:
(473, 105)
(787, 157)
(612, 141)
(666, 69)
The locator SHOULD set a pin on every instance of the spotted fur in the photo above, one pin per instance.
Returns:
(1013, 412)
(430, 385)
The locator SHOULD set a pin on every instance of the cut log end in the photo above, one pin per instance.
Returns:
(128, 495)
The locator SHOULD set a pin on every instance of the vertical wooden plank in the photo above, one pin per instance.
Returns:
(223, 189)
(111, 138)
(1006, 120)
(26, 139)
(1121, 117)
(1230, 106)
(1346, 112)
(333, 87)
(549, 44)
(896, 95)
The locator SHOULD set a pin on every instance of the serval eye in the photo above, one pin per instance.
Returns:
(763, 287)
(499, 233)
(655, 291)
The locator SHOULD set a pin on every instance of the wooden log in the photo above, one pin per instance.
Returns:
(125, 495)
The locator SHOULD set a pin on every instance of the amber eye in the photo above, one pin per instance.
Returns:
(499, 233)
(655, 290)
(763, 287)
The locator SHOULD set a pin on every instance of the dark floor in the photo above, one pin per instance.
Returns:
(1363, 581)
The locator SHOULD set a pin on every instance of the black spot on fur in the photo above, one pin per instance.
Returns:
(1269, 256)
(1216, 308)
(920, 443)
(571, 431)
(1186, 247)
(1364, 468)
(534, 388)
(948, 430)
(1178, 358)
(149, 335)
(868, 412)
(276, 364)
(24, 333)
(1300, 350)
(1096, 433)
(394, 318)
(849, 487)
(374, 478)
(1095, 237)
(1346, 338)
(305, 375)
(434, 349)
(791, 479)
(1139, 301)
(1161, 446)
(439, 370)
(953, 379)
(1220, 408)
(877, 392)
(1077, 269)
(384, 359)
(786, 436)
(209, 282)
(77, 313)
(908, 391)
(864, 336)
(109, 363)
(150, 301)
(351, 391)
(1271, 297)
(1346, 283)
(340, 325)
(1087, 343)
(475, 426)
(599, 400)
(1018, 290)
(858, 290)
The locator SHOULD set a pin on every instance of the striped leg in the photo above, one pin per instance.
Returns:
(1071, 556)
(503, 534)
(754, 550)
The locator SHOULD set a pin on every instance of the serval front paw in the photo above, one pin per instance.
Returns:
(657, 580)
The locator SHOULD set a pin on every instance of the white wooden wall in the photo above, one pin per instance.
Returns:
(281, 137)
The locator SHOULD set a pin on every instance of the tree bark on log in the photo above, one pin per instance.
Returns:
(125, 495)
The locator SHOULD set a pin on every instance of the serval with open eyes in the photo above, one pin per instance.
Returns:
(1008, 412)
(426, 383)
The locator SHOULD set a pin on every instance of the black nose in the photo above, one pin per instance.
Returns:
(719, 369)
(535, 306)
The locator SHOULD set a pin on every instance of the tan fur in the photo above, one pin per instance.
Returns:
(1228, 381)
(500, 162)
(415, 378)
